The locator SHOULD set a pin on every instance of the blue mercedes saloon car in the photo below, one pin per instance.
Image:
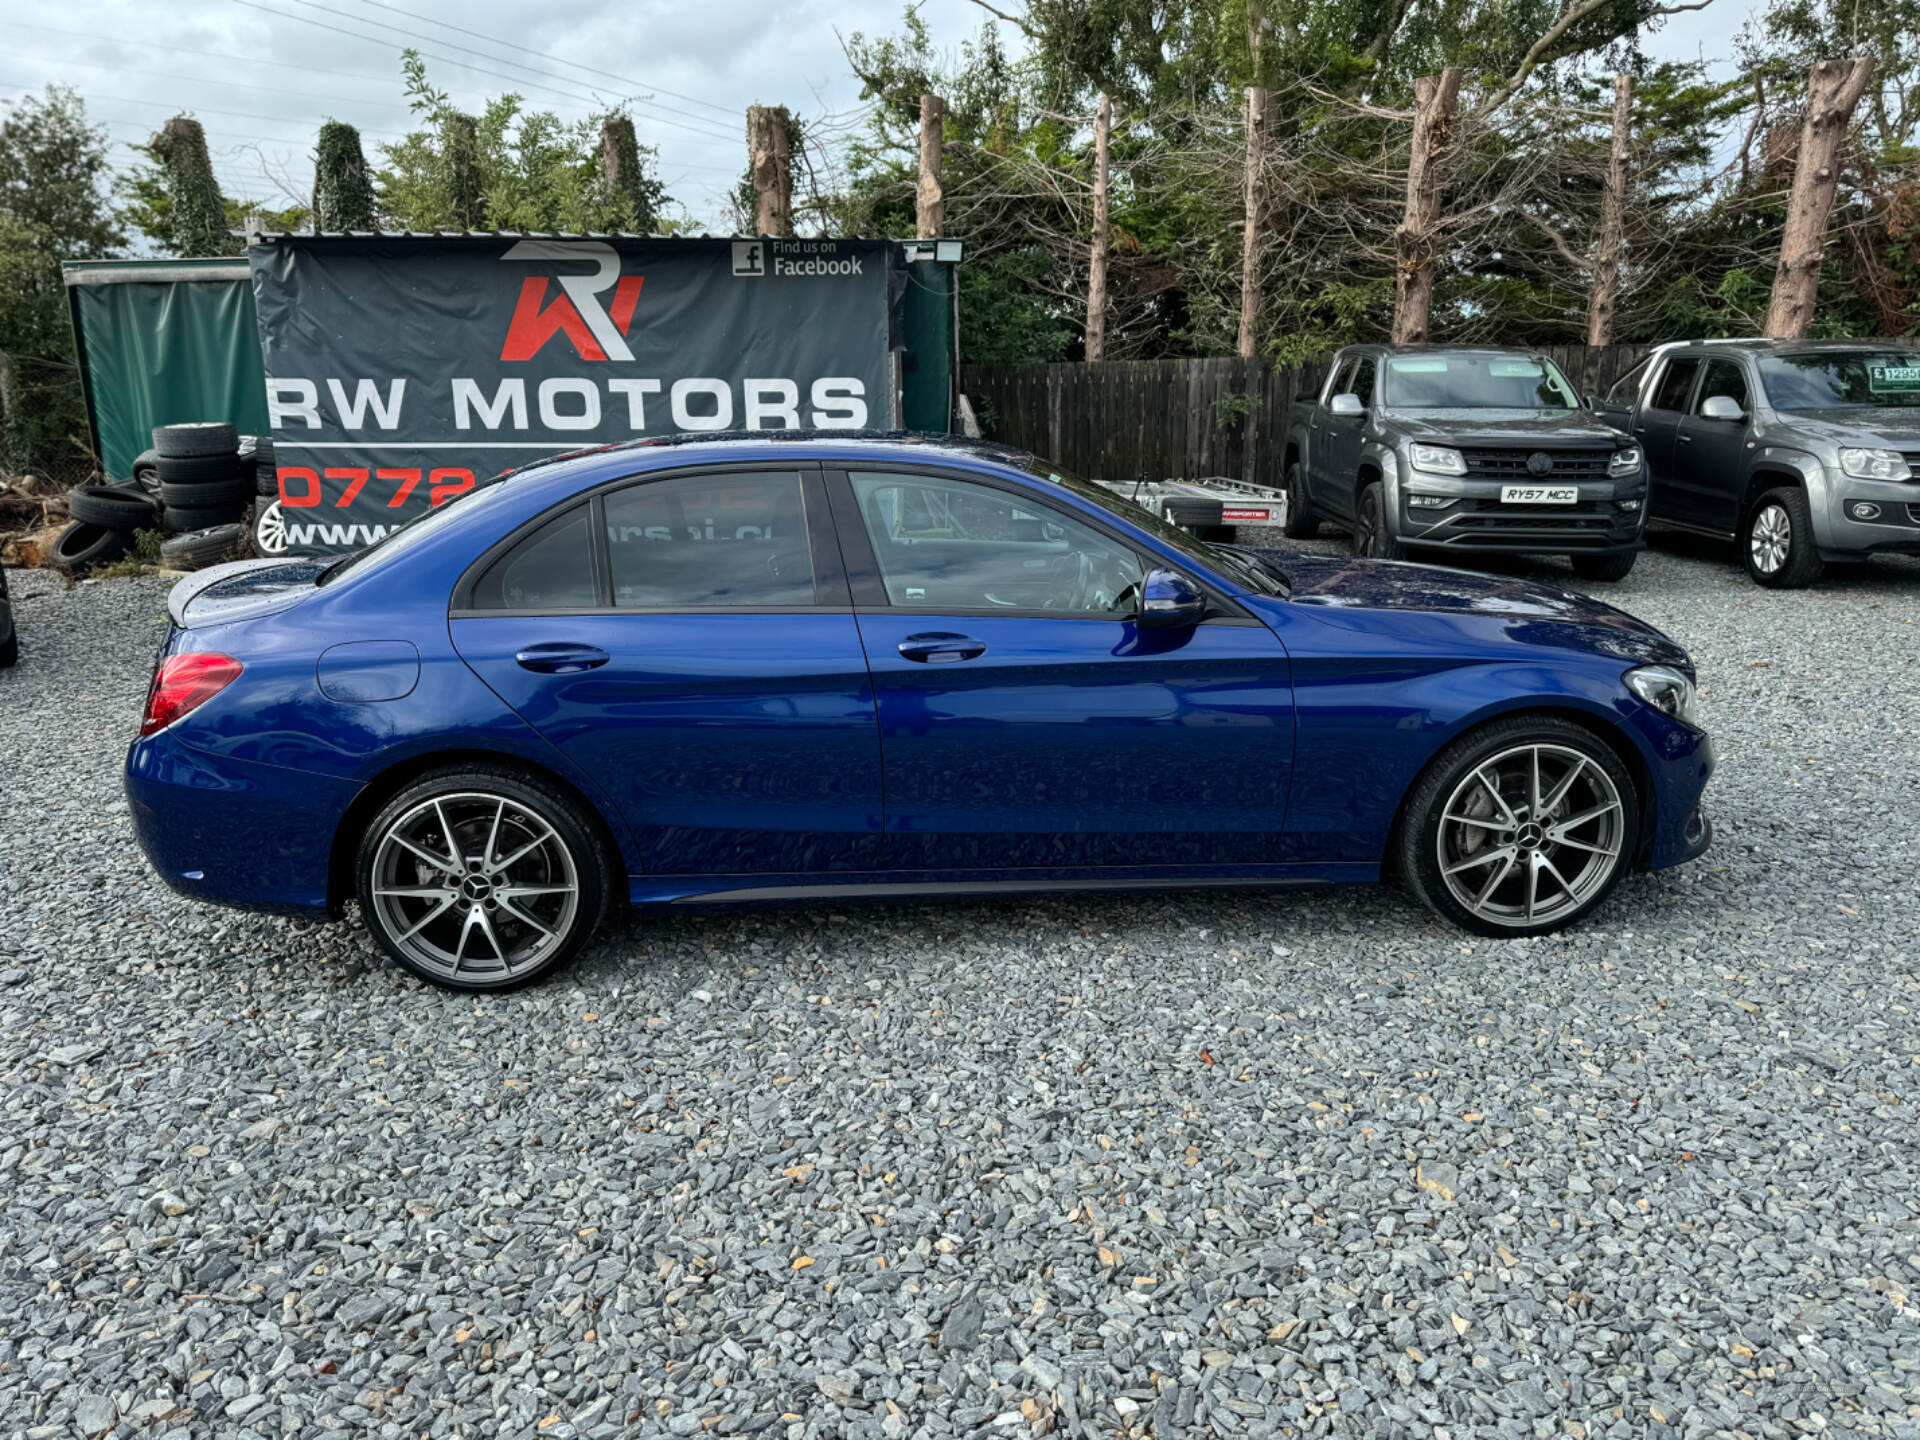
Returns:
(762, 668)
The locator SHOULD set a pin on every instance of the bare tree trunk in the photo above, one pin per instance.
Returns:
(1255, 215)
(1097, 266)
(1434, 102)
(1834, 87)
(772, 160)
(1613, 218)
(929, 199)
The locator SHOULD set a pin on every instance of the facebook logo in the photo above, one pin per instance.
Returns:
(747, 259)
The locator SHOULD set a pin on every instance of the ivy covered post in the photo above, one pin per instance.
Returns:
(342, 189)
(197, 219)
(466, 186)
(627, 184)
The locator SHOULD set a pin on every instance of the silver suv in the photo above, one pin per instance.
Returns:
(1800, 451)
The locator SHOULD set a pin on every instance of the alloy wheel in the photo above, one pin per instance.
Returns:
(1771, 538)
(270, 531)
(474, 885)
(1530, 835)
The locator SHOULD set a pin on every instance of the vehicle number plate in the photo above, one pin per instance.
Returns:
(1539, 494)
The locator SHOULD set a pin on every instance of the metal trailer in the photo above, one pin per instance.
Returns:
(1215, 507)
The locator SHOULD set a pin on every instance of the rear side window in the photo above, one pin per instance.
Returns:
(730, 538)
(1671, 392)
(1723, 378)
(551, 569)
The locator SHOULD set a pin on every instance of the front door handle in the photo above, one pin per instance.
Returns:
(1686, 439)
(560, 659)
(941, 647)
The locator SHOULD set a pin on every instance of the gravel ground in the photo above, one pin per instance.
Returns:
(1263, 1165)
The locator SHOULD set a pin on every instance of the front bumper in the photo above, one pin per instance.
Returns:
(1682, 761)
(1895, 531)
(234, 832)
(1476, 519)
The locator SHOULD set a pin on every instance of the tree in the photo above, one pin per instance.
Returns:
(508, 168)
(197, 215)
(342, 188)
(55, 204)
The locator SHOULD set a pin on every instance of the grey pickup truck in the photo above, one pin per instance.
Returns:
(1800, 452)
(1453, 451)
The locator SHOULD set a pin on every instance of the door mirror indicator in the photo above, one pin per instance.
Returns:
(1170, 601)
(1348, 404)
(1721, 407)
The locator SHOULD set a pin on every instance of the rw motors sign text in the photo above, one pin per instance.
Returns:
(400, 372)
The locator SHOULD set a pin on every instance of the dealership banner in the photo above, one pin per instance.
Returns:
(401, 371)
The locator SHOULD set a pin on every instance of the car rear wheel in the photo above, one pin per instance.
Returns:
(1520, 827)
(480, 878)
(1780, 550)
(1300, 523)
(1373, 534)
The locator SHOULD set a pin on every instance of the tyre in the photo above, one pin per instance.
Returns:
(146, 469)
(1300, 523)
(1604, 567)
(480, 878)
(1519, 827)
(1778, 543)
(82, 546)
(197, 549)
(118, 507)
(266, 529)
(1373, 534)
(234, 489)
(187, 519)
(262, 450)
(199, 469)
(200, 437)
(10, 651)
(266, 480)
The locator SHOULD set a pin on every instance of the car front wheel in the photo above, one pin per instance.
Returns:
(1520, 827)
(1604, 567)
(1780, 550)
(1373, 534)
(480, 878)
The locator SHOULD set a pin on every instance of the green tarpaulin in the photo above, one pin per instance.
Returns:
(163, 342)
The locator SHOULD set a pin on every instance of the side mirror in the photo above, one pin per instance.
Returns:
(1169, 601)
(1592, 402)
(1721, 407)
(1348, 404)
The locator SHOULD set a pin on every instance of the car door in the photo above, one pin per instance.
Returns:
(689, 641)
(1323, 444)
(1710, 456)
(1655, 427)
(1616, 406)
(1025, 720)
(1341, 441)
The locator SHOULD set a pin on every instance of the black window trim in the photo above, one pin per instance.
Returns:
(829, 573)
(869, 589)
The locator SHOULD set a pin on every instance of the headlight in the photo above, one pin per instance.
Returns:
(1438, 459)
(1625, 462)
(1875, 464)
(1664, 688)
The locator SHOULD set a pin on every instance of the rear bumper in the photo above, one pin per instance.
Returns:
(234, 832)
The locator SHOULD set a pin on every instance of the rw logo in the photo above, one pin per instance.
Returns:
(598, 331)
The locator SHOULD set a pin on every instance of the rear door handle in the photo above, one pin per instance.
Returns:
(560, 659)
(941, 647)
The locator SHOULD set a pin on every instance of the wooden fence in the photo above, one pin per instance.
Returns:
(1161, 419)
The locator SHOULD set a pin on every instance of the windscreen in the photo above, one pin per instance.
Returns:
(1476, 382)
(1843, 379)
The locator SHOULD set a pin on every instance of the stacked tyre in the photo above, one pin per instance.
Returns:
(266, 530)
(105, 519)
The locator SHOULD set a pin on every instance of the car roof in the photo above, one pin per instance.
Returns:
(688, 447)
(1765, 346)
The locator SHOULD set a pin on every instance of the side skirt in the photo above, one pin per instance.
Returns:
(975, 884)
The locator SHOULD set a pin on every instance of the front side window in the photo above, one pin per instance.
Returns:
(1723, 377)
(1362, 381)
(1671, 392)
(1843, 380)
(1476, 382)
(551, 569)
(955, 545)
(1627, 387)
(1343, 376)
(723, 539)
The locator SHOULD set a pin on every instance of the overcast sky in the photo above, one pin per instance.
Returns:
(262, 74)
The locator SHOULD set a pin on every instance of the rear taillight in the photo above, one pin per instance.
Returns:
(184, 683)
